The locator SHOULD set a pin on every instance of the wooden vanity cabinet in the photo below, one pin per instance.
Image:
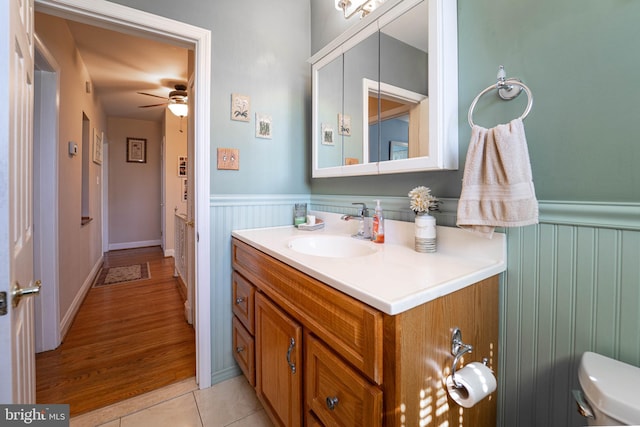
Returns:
(354, 365)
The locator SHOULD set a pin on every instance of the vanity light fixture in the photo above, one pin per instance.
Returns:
(365, 7)
(179, 107)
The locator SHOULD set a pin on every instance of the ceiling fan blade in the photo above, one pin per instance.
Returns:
(152, 105)
(150, 94)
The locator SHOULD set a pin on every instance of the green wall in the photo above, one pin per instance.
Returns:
(580, 59)
(259, 49)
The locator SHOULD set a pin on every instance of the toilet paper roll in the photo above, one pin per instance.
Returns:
(477, 382)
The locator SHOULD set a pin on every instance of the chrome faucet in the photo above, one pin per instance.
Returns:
(364, 229)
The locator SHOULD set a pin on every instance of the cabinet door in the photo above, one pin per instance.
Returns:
(278, 363)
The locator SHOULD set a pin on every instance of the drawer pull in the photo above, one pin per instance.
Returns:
(332, 402)
(239, 300)
(292, 366)
(239, 349)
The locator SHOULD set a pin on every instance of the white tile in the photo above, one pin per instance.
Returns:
(226, 402)
(178, 412)
(257, 419)
(134, 404)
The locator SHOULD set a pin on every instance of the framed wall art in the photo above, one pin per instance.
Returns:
(97, 146)
(344, 124)
(136, 150)
(240, 107)
(182, 165)
(263, 126)
(327, 134)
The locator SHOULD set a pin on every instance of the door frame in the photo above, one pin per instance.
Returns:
(45, 180)
(139, 23)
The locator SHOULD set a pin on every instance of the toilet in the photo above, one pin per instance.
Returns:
(610, 394)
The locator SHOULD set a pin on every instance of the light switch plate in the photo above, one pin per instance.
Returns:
(228, 158)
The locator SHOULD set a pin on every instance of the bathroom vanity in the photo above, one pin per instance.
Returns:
(359, 334)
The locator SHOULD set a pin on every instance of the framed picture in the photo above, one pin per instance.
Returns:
(344, 124)
(185, 190)
(182, 165)
(263, 126)
(240, 107)
(136, 150)
(327, 134)
(97, 147)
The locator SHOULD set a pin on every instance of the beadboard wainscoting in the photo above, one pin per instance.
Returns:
(568, 288)
(572, 284)
(228, 213)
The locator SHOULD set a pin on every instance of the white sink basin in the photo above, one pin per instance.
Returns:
(331, 246)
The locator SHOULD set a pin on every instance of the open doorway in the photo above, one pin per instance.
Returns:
(145, 25)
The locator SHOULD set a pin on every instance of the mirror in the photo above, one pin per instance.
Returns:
(385, 93)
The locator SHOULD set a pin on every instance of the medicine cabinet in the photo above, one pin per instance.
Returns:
(385, 93)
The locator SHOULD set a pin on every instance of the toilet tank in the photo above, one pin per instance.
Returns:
(612, 389)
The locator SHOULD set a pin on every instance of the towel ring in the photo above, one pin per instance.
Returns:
(501, 85)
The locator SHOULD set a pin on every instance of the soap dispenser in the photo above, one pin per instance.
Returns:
(378, 224)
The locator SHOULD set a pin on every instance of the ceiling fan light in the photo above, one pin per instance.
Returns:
(179, 108)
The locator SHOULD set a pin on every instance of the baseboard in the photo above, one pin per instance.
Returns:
(67, 320)
(225, 374)
(133, 245)
(169, 253)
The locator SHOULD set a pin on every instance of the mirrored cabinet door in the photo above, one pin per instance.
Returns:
(385, 94)
(329, 82)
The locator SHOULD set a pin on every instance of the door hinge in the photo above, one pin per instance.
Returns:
(3, 303)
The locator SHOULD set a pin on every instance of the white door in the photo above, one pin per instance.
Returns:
(17, 353)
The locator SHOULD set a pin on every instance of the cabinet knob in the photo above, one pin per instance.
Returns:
(332, 402)
(239, 349)
(239, 300)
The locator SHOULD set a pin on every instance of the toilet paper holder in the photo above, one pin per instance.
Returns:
(459, 349)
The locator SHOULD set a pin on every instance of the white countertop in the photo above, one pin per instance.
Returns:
(395, 278)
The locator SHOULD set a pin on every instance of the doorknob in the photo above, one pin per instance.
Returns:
(191, 223)
(18, 292)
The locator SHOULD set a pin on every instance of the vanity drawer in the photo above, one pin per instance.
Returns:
(337, 394)
(244, 351)
(243, 301)
(350, 327)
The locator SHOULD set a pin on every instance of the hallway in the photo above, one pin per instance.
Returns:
(127, 339)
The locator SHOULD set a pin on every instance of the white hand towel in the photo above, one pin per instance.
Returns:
(497, 186)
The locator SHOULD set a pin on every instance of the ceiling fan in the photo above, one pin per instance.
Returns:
(177, 100)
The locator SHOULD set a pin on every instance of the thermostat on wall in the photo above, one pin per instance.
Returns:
(73, 148)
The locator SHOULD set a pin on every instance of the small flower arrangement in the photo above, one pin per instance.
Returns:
(422, 200)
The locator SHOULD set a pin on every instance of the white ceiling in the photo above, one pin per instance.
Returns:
(412, 27)
(120, 65)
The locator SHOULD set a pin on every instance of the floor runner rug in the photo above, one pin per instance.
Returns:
(123, 274)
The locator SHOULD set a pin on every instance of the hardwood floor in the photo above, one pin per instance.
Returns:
(127, 339)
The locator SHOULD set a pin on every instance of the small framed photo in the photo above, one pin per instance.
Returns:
(344, 124)
(97, 146)
(136, 150)
(185, 190)
(327, 134)
(182, 165)
(240, 107)
(263, 126)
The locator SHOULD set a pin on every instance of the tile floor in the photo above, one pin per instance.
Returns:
(230, 403)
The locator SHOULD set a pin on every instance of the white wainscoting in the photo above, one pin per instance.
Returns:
(228, 213)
